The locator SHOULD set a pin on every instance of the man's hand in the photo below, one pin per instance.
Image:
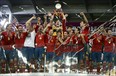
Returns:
(66, 15)
(81, 13)
(49, 14)
(38, 18)
(33, 17)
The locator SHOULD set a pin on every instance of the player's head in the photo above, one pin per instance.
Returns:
(77, 31)
(9, 27)
(82, 23)
(66, 34)
(109, 31)
(51, 32)
(20, 28)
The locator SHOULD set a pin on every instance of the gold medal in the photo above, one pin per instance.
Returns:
(8, 38)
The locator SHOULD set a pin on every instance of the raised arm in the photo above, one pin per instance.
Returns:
(45, 20)
(63, 24)
(44, 30)
(84, 17)
(28, 23)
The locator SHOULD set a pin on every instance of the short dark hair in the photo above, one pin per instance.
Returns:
(84, 21)
(67, 32)
(107, 29)
(20, 25)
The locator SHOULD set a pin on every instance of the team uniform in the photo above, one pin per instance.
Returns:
(58, 50)
(79, 48)
(108, 48)
(19, 43)
(66, 47)
(108, 52)
(86, 33)
(96, 51)
(50, 47)
(7, 42)
(79, 51)
(8, 52)
(2, 61)
(20, 39)
(39, 43)
(73, 46)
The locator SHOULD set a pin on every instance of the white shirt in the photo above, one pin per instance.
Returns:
(30, 40)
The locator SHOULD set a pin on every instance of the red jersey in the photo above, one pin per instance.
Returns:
(67, 40)
(8, 40)
(108, 43)
(66, 47)
(97, 43)
(51, 43)
(40, 40)
(86, 32)
(80, 43)
(58, 47)
(73, 39)
(46, 38)
(36, 27)
(19, 40)
(115, 46)
(73, 42)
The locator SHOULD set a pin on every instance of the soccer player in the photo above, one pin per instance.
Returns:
(20, 36)
(109, 43)
(58, 46)
(85, 31)
(50, 45)
(96, 51)
(80, 48)
(40, 41)
(2, 60)
(29, 43)
(7, 42)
